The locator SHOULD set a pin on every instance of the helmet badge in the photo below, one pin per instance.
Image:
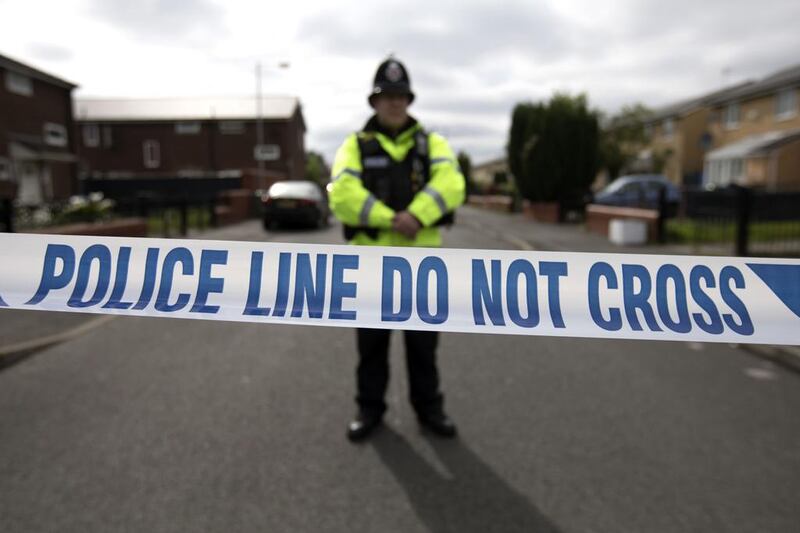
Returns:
(393, 72)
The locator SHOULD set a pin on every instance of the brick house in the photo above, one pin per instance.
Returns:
(679, 138)
(37, 150)
(756, 134)
(747, 134)
(129, 138)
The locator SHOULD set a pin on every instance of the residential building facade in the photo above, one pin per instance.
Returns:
(37, 148)
(191, 137)
(679, 138)
(490, 173)
(747, 134)
(756, 134)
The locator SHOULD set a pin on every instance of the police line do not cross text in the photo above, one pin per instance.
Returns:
(715, 299)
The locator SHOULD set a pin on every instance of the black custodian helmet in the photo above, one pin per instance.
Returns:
(391, 78)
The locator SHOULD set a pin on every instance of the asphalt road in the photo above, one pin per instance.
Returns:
(179, 425)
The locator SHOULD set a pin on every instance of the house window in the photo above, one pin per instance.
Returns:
(668, 127)
(19, 84)
(231, 127)
(152, 154)
(5, 169)
(55, 134)
(786, 104)
(730, 116)
(91, 135)
(266, 152)
(187, 128)
(725, 171)
(108, 138)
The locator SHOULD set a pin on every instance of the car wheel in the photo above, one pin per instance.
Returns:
(268, 223)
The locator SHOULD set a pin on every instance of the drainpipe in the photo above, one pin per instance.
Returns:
(772, 169)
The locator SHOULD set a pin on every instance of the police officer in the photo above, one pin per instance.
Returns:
(394, 184)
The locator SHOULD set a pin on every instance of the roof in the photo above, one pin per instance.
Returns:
(753, 145)
(26, 70)
(171, 109)
(685, 107)
(783, 79)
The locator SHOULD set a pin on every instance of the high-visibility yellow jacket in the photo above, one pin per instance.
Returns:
(354, 205)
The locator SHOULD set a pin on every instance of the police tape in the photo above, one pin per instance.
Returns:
(620, 296)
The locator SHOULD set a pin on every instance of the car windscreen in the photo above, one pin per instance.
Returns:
(616, 185)
(645, 180)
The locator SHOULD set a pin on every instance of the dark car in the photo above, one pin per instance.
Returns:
(295, 202)
(640, 190)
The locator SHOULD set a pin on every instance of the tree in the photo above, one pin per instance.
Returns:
(622, 138)
(316, 168)
(465, 163)
(553, 149)
(527, 122)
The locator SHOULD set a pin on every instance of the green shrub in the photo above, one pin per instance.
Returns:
(93, 208)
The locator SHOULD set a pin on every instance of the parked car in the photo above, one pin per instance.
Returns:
(295, 202)
(639, 190)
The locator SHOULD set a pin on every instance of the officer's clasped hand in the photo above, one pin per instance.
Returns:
(406, 224)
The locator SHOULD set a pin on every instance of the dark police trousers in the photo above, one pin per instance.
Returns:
(373, 370)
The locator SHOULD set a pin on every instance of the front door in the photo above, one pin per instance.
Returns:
(29, 179)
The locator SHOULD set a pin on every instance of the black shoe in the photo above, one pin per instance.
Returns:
(362, 425)
(438, 423)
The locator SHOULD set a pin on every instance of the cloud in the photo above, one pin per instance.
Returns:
(440, 34)
(166, 21)
(470, 61)
(477, 105)
(328, 139)
(49, 52)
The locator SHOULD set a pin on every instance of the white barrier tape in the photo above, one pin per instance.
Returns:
(716, 299)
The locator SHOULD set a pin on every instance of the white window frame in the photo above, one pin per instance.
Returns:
(151, 153)
(91, 135)
(668, 127)
(737, 169)
(721, 172)
(19, 83)
(728, 120)
(789, 95)
(268, 152)
(187, 128)
(231, 127)
(55, 134)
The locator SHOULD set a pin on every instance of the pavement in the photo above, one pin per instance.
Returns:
(26, 332)
(151, 424)
(518, 231)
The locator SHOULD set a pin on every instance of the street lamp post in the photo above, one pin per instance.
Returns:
(260, 121)
(259, 127)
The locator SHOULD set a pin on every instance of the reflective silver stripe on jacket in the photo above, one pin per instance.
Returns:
(441, 160)
(363, 217)
(354, 173)
(437, 197)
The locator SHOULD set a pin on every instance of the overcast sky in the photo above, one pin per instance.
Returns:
(469, 61)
